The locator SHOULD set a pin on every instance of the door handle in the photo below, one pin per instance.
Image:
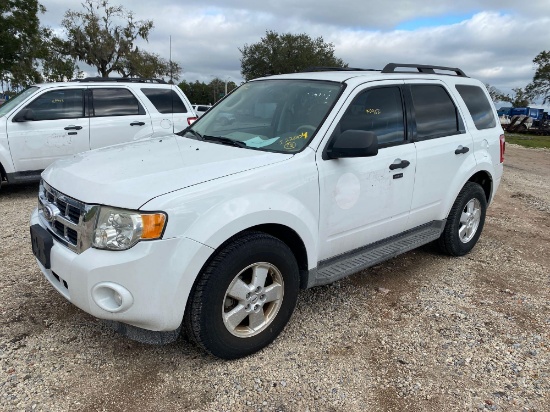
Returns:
(462, 149)
(137, 124)
(73, 127)
(399, 164)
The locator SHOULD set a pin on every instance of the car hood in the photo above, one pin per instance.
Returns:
(129, 175)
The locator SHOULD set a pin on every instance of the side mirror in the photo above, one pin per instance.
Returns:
(353, 143)
(24, 115)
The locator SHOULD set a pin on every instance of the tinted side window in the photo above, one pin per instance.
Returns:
(478, 106)
(58, 104)
(436, 113)
(165, 100)
(115, 102)
(380, 111)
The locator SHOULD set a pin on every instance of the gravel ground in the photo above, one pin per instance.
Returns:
(421, 332)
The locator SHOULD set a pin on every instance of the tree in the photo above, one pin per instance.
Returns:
(21, 41)
(540, 86)
(495, 94)
(202, 93)
(286, 53)
(140, 63)
(94, 37)
(520, 98)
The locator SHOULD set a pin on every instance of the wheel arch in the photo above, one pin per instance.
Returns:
(485, 180)
(285, 234)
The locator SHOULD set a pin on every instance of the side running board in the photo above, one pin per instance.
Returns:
(339, 267)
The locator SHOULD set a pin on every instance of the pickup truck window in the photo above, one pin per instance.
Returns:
(271, 115)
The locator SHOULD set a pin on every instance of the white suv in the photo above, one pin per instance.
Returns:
(50, 121)
(320, 175)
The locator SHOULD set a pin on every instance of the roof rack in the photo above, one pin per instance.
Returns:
(334, 69)
(422, 69)
(119, 80)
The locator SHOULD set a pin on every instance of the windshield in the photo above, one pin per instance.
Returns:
(15, 100)
(272, 115)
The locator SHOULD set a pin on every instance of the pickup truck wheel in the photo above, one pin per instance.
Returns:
(244, 297)
(465, 221)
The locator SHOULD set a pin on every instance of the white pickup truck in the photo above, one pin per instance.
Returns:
(320, 175)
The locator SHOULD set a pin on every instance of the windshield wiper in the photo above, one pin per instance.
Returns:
(189, 130)
(224, 140)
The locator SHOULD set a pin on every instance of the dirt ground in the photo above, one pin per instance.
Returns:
(421, 332)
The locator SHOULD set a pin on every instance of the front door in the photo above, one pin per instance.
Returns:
(366, 199)
(54, 127)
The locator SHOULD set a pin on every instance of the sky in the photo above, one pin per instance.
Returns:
(493, 41)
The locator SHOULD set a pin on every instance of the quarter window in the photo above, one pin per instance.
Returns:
(478, 106)
(380, 111)
(435, 112)
(58, 104)
(165, 100)
(115, 102)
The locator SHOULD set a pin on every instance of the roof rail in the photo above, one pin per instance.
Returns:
(334, 69)
(422, 69)
(119, 80)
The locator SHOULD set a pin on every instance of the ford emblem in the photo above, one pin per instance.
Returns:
(50, 212)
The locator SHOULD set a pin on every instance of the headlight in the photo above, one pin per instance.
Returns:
(119, 229)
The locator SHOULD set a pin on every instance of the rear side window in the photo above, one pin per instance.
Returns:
(165, 100)
(58, 104)
(478, 106)
(115, 102)
(435, 112)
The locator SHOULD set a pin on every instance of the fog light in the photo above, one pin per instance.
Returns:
(112, 297)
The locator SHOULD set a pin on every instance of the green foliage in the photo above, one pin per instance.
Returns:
(520, 98)
(495, 94)
(140, 63)
(202, 93)
(286, 53)
(540, 86)
(22, 41)
(527, 140)
(95, 36)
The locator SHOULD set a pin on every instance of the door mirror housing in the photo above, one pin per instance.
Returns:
(24, 115)
(353, 143)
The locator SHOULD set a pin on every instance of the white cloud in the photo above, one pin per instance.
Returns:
(496, 41)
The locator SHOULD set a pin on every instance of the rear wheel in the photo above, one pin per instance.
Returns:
(244, 297)
(465, 221)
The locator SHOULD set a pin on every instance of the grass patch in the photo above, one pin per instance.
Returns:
(528, 140)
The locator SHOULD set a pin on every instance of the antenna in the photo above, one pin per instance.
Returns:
(170, 60)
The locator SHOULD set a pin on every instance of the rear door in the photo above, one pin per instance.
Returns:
(116, 116)
(55, 127)
(444, 150)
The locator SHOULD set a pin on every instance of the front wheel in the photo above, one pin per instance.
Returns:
(244, 297)
(465, 221)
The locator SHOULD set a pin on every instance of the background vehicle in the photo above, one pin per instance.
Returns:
(201, 109)
(320, 175)
(50, 121)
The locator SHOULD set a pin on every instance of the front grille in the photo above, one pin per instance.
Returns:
(68, 219)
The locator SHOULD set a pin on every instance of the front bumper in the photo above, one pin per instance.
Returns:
(154, 279)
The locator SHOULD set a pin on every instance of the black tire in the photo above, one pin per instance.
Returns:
(211, 300)
(458, 238)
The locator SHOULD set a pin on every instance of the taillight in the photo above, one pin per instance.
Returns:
(502, 148)
(191, 120)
